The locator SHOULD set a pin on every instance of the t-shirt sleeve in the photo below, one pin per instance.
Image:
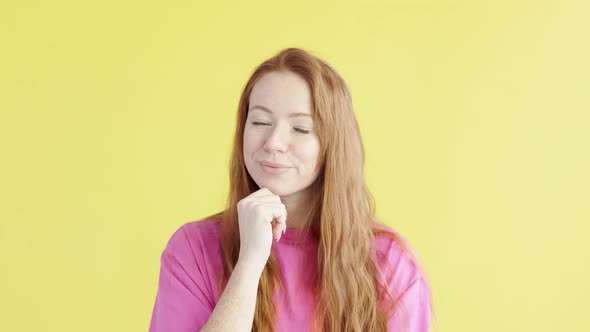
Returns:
(405, 279)
(414, 303)
(182, 302)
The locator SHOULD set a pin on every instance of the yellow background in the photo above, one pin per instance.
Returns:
(116, 119)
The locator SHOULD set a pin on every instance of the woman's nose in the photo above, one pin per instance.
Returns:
(277, 140)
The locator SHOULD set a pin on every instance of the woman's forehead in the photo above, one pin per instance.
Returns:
(281, 89)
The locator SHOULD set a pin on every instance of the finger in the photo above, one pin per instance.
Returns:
(271, 211)
(267, 199)
(262, 192)
(277, 212)
(280, 225)
(276, 231)
(261, 201)
(283, 223)
(282, 219)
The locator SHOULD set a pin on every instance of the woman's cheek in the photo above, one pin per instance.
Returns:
(310, 153)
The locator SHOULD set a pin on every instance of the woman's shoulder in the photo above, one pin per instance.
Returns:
(396, 256)
(197, 234)
(207, 227)
(389, 240)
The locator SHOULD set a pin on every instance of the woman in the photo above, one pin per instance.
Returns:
(297, 176)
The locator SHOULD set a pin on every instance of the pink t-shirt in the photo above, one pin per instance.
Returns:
(191, 265)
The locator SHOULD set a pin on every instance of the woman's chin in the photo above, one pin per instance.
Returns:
(275, 189)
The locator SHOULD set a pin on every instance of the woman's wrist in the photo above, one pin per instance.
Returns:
(249, 267)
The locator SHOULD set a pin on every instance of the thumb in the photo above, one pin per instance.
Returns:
(279, 227)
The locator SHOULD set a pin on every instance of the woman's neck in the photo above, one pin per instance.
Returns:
(297, 205)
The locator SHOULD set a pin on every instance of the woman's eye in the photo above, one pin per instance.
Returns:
(299, 130)
(303, 131)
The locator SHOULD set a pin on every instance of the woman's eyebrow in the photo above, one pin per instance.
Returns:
(264, 109)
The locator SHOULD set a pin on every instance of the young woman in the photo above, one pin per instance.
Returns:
(298, 247)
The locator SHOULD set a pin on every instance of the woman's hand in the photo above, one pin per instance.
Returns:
(256, 213)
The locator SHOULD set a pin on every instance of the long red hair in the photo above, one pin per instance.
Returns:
(341, 213)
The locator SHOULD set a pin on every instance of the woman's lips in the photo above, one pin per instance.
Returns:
(270, 169)
(271, 164)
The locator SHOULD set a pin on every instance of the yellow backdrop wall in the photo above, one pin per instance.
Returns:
(116, 119)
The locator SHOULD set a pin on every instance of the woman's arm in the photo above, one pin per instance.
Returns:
(413, 315)
(235, 309)
(185, 302)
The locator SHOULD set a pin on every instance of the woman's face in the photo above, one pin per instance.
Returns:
(280, 130)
